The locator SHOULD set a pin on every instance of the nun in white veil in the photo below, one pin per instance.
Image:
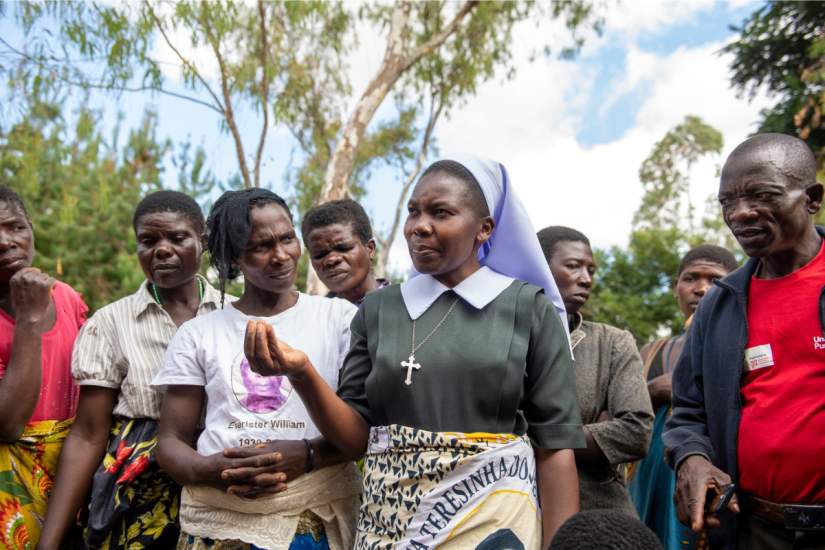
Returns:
(513, 249)
(458, 384)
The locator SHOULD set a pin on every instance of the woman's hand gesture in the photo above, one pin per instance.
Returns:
(269, 356)
(31, 298)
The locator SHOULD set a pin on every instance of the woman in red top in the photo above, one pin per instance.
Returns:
(39, 320)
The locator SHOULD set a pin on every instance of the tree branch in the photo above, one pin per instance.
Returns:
(298, 137)
(340, 165)
(393, 66)
(436, 106)
(183, 60)
(434, 42)
(55, 70)
(228, 112)
(398, 22)
(149, 89)
(264, 94)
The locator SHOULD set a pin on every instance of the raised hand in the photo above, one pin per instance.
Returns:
(31, 299)
(269, 356)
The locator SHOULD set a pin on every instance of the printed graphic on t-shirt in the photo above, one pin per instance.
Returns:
(257, 393)
(819, 342)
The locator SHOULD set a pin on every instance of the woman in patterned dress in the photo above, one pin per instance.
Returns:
(39, 321)
(110, 450)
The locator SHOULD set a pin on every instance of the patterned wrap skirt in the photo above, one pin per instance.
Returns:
(27, 469)
(133, 504)
(448, 490)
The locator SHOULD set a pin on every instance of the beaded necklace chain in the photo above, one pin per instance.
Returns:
(160, 302)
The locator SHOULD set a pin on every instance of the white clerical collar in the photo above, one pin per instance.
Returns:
(478, 290)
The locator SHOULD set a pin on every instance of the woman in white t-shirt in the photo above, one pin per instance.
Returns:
(256, 428)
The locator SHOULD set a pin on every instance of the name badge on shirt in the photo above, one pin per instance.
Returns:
(758, 357)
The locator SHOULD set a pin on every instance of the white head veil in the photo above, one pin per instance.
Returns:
(514, 248)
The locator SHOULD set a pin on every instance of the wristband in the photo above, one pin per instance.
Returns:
(310, 460)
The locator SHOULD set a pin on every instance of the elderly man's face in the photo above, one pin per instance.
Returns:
(767, 211)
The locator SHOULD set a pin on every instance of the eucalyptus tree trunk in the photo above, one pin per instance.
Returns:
(396, 62)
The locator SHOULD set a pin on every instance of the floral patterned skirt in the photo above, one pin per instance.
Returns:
(27, 469)
(133, 504)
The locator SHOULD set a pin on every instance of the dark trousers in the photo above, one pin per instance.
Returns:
(755, 533)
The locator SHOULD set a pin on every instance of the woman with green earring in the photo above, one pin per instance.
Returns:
(110, 450)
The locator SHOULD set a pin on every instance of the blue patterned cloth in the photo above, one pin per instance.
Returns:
(652, 488)
(309, 542)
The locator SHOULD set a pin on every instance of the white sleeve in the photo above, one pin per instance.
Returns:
(348, 311)
(183, 365)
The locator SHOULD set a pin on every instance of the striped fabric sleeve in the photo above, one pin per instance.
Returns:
(93, 357)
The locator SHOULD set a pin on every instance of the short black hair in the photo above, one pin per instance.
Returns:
(798, 161)
(344, 211)
(550, 236)
(170, 201)
(604, 530)
(229, 229)
(475, 196)
(710, 253)
(10, 196)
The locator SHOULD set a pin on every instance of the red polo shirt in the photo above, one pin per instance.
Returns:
(782, 428)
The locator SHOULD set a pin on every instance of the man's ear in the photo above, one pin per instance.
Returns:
(814, 192)
(371, 248)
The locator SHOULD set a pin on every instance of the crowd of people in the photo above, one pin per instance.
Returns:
(470, 406)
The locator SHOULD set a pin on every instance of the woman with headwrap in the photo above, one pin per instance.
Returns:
(251, 232)
(458, 385)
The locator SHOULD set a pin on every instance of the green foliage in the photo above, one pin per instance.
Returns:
(781, 50)
(81, 190)
(194, 178)
(81, 197)
(108, 35)
(634, 286)
(390, 142)
(283, 61)
(266, 54)
(665, 173)
(471, 55)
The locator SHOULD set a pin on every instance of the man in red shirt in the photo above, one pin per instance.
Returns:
(39, 320)
(749, 389)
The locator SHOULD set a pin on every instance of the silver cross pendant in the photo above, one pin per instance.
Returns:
(410, 364)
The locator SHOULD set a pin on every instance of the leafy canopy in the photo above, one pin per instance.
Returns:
(634, 285)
